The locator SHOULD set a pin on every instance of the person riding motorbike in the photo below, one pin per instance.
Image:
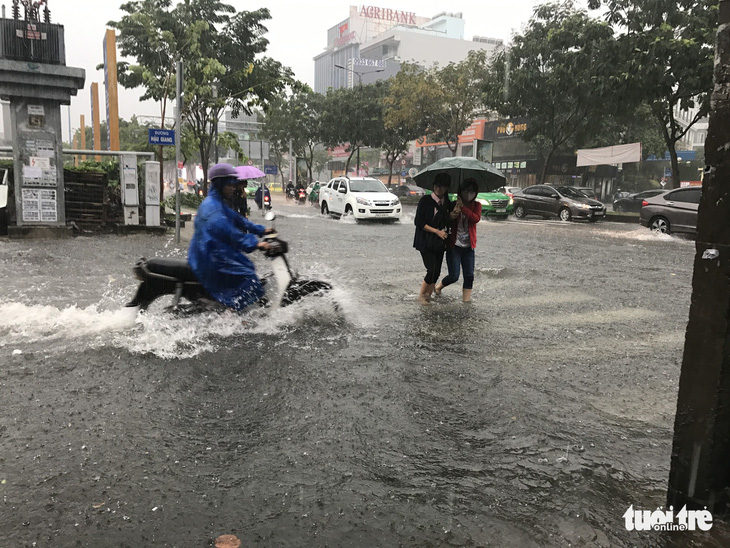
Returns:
(217, 253)
(314, 194)
(258, 197)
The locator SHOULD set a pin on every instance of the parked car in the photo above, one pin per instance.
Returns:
(508, 190)
(632, 202)
(494, 204)
(672, 211)
(406, 191)
(564, 202)
(361, 197)
(588, 191)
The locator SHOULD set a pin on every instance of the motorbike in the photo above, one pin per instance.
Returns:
(290, 193)
(267, 203)
(301, 196)
(171, 276)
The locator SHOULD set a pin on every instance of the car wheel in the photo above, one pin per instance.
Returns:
(325, 209)
(619, 209)
(659, 224)
(565, 214)
(348, 211)
(592, 219)
(520, 212)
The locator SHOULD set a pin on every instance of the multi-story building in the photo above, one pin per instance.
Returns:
(695, 137)
(373, 43)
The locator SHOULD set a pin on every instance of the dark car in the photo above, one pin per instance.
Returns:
(564, 202)
(407, 191)
(632, 202)
(672, 211)
(588, 191)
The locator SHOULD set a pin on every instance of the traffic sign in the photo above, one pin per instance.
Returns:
(402, 162)
(403, 173)
(270, 169)
(161, 137)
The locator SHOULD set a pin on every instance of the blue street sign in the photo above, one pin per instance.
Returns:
(667, 172)
(270, 169)
(403, 173)
(162, 136)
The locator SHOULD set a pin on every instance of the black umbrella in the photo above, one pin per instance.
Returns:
(461, 168)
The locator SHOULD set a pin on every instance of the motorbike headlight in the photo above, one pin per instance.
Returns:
(363, 201)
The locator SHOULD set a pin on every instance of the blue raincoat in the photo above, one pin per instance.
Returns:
(217, 253)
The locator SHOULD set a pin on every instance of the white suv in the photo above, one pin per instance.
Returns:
(361, 197)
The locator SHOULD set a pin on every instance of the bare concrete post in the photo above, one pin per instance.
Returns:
(700, 467)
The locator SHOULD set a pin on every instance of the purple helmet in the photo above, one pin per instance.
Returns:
(220, 171)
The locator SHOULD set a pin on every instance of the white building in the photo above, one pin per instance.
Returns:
(695, 137)
(373, 43)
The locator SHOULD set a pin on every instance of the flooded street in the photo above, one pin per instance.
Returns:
(533, 416)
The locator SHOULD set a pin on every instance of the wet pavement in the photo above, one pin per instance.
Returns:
(533, 416)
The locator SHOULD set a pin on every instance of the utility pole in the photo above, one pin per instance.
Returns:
(700, 467)
(178, 150)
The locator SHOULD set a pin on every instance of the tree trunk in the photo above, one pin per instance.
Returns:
(675, 164)
(347, 164)
(543, 171)
(699, 476)
(391, 160)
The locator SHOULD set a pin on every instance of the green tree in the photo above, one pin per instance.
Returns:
(459, 98)
(668, 52)
(229, 68)
(407, 97)
(353, 118)
(223, 54)
(152, 33)
(559, 74)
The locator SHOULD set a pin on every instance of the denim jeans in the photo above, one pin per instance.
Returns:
(458, 258)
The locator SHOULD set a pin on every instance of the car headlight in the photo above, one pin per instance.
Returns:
(511, 200)
(584, 206)
(363, 201)
(396, 202)
(483, 202)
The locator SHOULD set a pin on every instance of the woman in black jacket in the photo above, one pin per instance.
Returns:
(432, 218)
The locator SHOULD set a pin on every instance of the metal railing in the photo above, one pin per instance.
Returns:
(32, 41)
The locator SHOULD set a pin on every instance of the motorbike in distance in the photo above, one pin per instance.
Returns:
(301, 196)
(171, 276)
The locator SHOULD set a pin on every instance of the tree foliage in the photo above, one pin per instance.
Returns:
(223, 53)
(559, 74)
(668, 51)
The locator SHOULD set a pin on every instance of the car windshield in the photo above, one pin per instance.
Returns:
(367, 185)
(570, 191)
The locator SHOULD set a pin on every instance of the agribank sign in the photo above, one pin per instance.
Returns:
(387, 14)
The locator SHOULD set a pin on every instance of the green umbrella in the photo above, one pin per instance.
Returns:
(461, 168)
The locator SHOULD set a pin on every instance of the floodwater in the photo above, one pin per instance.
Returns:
(533, 416)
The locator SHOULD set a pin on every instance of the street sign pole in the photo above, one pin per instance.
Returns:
(178, 154)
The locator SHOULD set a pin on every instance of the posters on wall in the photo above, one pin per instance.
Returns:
(39, 205)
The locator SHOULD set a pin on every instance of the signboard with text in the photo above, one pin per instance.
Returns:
(162, 137)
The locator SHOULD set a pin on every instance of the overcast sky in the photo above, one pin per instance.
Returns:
(297, 33)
